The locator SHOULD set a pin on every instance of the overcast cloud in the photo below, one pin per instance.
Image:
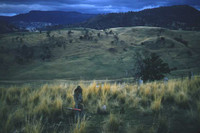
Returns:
(13, 7)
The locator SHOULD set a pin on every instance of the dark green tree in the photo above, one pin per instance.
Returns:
(24, 54)
(153, 68)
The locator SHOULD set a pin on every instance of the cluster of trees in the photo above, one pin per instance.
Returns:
(174, 17)
(46, 53)
(87, 36)
(24, 54)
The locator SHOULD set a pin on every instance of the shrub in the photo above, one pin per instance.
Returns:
(99, 34)
(70, 32)
(112, 50)
(48, 33)
(46, 53)
(152, 68)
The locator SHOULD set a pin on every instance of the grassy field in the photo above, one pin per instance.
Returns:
(153, 107)
(87, 54)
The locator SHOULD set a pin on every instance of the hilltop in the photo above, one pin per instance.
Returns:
(172, 17)
(95, 54)
(42, 19)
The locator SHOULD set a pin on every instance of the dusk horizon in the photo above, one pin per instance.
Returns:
(13, 14)
(12, 8)
(99, 66)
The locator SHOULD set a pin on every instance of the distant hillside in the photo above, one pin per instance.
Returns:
(173, 17)
(5, 27)
(82, 53)
(38, 19)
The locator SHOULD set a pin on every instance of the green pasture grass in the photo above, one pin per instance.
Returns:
(90, 59)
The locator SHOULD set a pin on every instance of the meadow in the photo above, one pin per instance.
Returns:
(153, 107)
(102, 54)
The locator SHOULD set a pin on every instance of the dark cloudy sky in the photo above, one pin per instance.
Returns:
(12, 7)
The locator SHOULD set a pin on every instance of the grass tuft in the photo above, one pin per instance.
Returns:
(156, 104)
(181, 98)
(34, 126)
(113, 124)
(80, 127)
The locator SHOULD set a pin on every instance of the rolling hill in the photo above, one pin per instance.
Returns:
(40, 19)
(173, 17)
(82, 53)
(5, 27)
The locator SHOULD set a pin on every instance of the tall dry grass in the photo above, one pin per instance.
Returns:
(44, 106)
(112, 124)
(79, 127)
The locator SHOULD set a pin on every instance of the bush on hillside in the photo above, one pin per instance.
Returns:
(153, 68)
